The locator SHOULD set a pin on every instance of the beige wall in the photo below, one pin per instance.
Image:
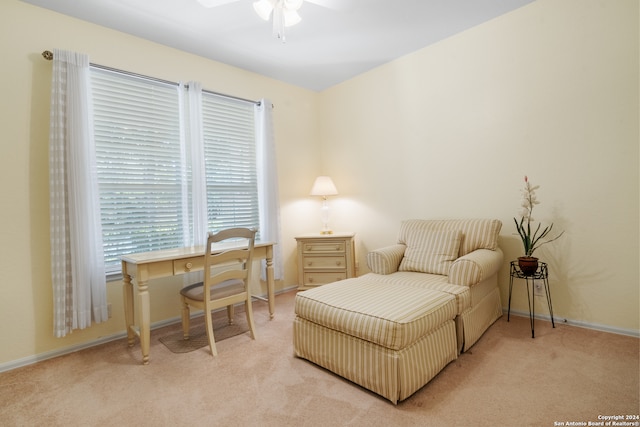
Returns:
(550, 90)
(25, 292)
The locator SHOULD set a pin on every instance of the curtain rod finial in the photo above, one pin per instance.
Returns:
(48, 55)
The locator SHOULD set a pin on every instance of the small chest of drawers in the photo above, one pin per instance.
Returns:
(325, 258)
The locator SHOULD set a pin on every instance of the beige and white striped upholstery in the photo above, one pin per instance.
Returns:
(390, 339)
(386, 260)
(476, 233)
(393, 374)
(475, 266)
(476, 270)
(391, 316)
(434, 282)
(431, 251)
(391, 331)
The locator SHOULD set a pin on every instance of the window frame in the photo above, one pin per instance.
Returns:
(245, 179)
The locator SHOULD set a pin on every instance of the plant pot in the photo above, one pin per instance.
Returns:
(528, 265)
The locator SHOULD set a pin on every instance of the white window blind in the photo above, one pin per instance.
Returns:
(230, 162)
(143, 172)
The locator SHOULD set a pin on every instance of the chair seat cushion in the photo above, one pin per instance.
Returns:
(196, 291)
(391, 316)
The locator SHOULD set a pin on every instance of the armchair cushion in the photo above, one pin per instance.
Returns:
(431, 251)
(476, 233)
(385, 260)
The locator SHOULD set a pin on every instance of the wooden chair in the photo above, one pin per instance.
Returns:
(226, 280)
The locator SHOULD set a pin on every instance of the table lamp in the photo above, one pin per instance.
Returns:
(323, 187)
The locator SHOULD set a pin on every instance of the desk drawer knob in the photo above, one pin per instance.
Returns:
(188, 266)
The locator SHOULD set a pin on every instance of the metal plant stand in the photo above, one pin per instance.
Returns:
(542, 273)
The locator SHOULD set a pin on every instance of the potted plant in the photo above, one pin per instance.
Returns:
(531, 240)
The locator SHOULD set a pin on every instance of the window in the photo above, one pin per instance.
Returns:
(144, 172)
(230, 162)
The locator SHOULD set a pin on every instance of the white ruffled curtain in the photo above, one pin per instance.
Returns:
(198, 170)
(193, 149)
(77, 260)
(268, 184)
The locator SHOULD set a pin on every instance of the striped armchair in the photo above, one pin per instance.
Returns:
(462, 258)
(427, 298)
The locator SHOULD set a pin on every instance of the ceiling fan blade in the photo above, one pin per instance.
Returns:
(214, 3)
(332, 4)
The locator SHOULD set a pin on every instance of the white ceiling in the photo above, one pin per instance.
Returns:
(336, 40)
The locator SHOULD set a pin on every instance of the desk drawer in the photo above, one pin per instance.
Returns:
(186, 265)
(318, 278)
(324, 262)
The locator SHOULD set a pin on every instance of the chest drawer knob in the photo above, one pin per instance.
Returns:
(188, 266)
(309, 263)
(338, 263)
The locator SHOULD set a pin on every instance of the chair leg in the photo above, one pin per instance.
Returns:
(209, 323)
(249, 310)
(231, 313)
(185, 319)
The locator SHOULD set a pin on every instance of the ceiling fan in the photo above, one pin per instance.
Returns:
(284, 13)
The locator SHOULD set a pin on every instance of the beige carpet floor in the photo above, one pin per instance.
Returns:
(174, 339)
(564, 375)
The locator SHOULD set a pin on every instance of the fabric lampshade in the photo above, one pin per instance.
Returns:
(323, 186)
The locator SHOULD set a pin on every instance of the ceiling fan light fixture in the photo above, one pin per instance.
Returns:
(284, 13)
(292, 4)
(263, 8)
(291, 17)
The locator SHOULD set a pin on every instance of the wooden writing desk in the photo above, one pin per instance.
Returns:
(171, 262)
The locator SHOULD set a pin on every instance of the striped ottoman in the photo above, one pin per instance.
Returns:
(390, 339)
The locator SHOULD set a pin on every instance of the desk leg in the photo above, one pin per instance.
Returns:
(127, 293)
(145, 322)
(270, 281)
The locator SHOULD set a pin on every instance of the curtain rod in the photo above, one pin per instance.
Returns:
(48, 55)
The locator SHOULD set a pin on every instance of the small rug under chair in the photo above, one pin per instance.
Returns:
(175, 342)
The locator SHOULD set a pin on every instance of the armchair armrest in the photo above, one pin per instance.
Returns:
(386, 260)
(476, 266)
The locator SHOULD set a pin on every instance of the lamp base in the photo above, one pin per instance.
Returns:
(326, 232)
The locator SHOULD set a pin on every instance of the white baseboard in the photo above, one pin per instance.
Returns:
(577, 323)
(30, 360)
